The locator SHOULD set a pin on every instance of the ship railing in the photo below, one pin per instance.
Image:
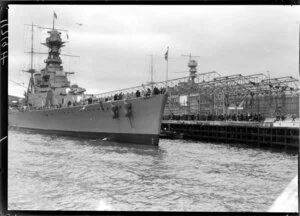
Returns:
(43, 108)
(129, 93)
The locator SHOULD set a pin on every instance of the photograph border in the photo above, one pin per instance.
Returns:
(4, 10)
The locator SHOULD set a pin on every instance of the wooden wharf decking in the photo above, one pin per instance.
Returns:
(251, 133)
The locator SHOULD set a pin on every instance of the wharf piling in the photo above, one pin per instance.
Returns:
(254, 134)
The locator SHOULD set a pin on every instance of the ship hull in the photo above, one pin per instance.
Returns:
(145, 139)
(96, 120)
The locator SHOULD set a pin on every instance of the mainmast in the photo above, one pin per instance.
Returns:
(54, 43)
(31, 62)
(151, 73)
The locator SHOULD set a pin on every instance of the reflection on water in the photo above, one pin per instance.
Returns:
(54, 172)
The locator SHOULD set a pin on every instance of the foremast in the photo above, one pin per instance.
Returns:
(54, 44)
(30, 87)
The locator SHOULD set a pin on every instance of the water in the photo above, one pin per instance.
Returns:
(64, 173)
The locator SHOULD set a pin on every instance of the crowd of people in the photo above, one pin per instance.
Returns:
(283, 117)
(143, 93)
(256, 117)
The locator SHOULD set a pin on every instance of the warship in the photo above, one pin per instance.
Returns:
(53, 105)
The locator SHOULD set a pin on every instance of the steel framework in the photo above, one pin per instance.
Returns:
(216, 94)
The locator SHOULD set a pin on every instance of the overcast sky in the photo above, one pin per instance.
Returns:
(114, 42)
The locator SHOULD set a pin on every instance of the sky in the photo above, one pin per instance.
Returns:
(115, 42)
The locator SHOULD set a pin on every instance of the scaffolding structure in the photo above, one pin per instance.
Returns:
(211, 93)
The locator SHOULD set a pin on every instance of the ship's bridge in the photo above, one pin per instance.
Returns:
(57, 60)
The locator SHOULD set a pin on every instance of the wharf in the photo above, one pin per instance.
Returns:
(256, 134)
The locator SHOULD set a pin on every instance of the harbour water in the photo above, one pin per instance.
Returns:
(48, 172)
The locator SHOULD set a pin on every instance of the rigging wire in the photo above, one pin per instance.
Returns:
(34, 32)
(38, 50)
(69, 59)
(155, 66)
(41, 48)
(25, 39)
(19, 84)
(23, 65)
(147, 68)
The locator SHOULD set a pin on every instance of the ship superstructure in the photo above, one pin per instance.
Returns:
(53, 105)
(50, 86)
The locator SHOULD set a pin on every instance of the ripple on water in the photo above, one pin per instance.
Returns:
(65, 173)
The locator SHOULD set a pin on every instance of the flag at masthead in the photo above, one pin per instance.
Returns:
(167, 59)
(166, 55)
